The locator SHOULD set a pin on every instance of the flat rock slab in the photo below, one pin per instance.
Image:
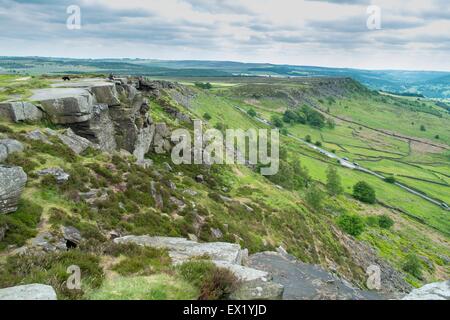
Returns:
(431, 291)
(28, 292)
(244, 273)
(181, 249)
(12, 182)
(305, 281)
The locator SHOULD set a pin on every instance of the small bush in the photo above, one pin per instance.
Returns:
(207, 116)
(214, 283)
(390, 179)
(385, 222)
(413, 266)
(351, 224)
(364, 192)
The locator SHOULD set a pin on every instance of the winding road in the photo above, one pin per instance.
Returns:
(348, 164)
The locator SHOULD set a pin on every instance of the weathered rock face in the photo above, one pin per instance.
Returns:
(304, 281)
(20, 111)
(12, 182)
(28, 292)
(60, 175)
(3, 229)
(9, 146)
(365, 256)
(75, 142)
(431, 291)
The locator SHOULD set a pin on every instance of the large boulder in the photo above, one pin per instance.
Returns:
(75, 142)
(105, 93)
(65, 105)
(8, 146)
(12, 182)
(99, 129)
(431, 291)
(28, 292)
(20, 111)
(181, 249)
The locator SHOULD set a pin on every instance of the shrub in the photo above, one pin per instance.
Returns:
(333, 185)
(314, 197)
(51, 269)
(251, 113)
(207, 116)
(318, 143)
(308, 138)
(364, 192)
(21, 224)
(214, 283)
(390, 179)
(413, 266)
(351, 224)
(276, 121)
(385, 221)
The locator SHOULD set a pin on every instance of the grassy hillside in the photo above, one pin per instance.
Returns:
(246, 207)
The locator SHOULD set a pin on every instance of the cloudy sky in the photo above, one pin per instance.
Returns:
(414, 34)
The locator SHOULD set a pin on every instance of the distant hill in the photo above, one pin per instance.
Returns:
(430, 84)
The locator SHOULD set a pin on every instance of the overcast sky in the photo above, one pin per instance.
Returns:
(414, 35)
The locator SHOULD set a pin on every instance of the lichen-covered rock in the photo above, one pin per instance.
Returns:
(258, 290)
(431, 291)
(181, 249)
(60, 175)
(65, 105)
(28, 292)
(106, 93)
(12, 182)
(38, 135)
(20, 111)
(71, 234)
(75, 142)
(9, 146)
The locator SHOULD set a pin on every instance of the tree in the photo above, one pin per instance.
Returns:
(334, 185)
(364, 192)
(276, 121)
(314, 197)
(330, 123)
(389, 179)
(251, 113)
(308, 138)
(301, 175)
(290, 116)
(207, 116)
(351, 224)
(385, 222)
(318, 143)
(422, 128)
(413, 266)
(436, 136)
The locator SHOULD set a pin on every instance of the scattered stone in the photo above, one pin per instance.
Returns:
(145, 163)
(60, 175)
(177, 202)
(225, 199)
(156, 196)
(49, 243)
(199, 178)
(216, 233)
(248, 208)
(114, 234)
(190, 192)
(76, 143)
(171, 185)
(37, 135)
(9, 146)
(12, 182)
(72, 236)
(431, 291)
(28, 292)
(258, 290)
(20, 111)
